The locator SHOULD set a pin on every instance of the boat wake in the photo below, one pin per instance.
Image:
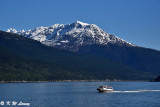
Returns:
(134, 91)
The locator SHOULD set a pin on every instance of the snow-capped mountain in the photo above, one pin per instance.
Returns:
(85, 39)
(71, 36)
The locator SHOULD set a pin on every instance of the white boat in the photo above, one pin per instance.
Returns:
(104, 89)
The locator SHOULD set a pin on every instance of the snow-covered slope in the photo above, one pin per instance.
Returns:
(71, 36)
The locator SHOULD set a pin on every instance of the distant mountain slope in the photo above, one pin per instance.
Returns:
(140, 58)
(70, 65)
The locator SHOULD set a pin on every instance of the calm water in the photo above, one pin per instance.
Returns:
(82, 94)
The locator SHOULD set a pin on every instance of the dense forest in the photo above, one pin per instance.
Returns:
(25, 59)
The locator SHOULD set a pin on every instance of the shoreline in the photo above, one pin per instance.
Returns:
(75, 81)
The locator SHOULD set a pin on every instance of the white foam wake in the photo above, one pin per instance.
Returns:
(134, 91)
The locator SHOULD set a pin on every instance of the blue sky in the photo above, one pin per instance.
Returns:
(136, 21)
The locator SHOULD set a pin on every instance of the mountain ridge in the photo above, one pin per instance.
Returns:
(71, 36)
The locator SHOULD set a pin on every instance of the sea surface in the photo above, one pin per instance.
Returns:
(80, 94)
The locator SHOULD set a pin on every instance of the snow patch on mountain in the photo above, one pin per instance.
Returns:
(82, 23)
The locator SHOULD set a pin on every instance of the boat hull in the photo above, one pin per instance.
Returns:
(105, 90)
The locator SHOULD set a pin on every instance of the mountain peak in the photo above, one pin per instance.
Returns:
(81, 23)
(12, 30)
